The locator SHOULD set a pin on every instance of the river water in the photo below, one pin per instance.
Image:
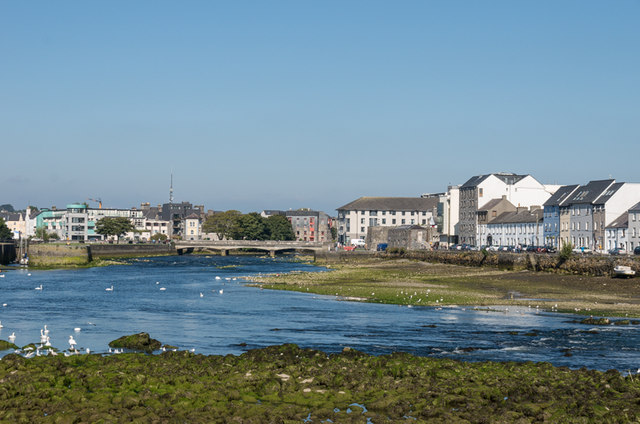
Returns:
(179, 301)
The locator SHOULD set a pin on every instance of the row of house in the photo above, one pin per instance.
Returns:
(77, 222)
(508, 209)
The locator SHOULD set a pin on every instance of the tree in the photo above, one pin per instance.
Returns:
(334, 233)
(223, 224)
(159, 237)
(251, 227)
(279, 228)
(42, 233)
(7, 208)
(5, 232)
(114, 226)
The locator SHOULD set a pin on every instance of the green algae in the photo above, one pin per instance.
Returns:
(139, 342)
(5, 345)
(288, 384)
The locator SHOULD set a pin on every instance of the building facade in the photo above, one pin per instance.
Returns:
(355, 218)
(520, 190)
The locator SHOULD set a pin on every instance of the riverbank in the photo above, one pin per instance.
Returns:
(285, 384)
(418, 283)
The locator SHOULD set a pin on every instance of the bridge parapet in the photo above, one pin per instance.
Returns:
(270, 246)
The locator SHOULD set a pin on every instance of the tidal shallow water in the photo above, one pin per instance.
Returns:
(241, 318)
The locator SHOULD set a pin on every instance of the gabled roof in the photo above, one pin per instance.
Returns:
(507, 178)
(604, 198)
(588, 193)
(635, 208)
(519, 217)
(391, 204)
(193, 216)
(620, 222)
(560, 197)
(492, 204)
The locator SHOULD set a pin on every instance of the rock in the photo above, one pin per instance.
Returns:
(140, 342)
(5, 345)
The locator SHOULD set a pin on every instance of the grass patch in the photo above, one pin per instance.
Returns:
(416, 283)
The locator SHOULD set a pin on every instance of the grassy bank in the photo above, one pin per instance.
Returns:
(285, 384)
(418, 283)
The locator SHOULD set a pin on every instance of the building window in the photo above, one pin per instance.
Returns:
(480, 192)
(384, 221)
(403, 221)
(393, 221)
(362, 229)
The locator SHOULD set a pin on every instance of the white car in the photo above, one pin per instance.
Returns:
(357, 242)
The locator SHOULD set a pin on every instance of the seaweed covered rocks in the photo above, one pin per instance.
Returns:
(140, 342)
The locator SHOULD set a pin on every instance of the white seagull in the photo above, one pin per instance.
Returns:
(109, 288)
(221, 291)
(218, 277)
(12, 337)
(201, 294)
(39, 287)
(72, 343)
(46, 330)
(162, 288)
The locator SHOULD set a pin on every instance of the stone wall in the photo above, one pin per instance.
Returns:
(7, 253)
(60, 255)
(594, 265)
(130, 250)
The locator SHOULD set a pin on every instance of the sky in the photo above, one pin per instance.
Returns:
(258, 105)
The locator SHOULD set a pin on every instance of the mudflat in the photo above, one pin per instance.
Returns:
(411, 282)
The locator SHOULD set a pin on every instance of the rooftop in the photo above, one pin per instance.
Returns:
(391, 204)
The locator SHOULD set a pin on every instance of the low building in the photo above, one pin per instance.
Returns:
(192, 227)
(617, 233)
(355, 218)
(634, 226)
(523, 227)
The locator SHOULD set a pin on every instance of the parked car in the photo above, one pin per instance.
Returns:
(636, 251)
(382, 247)
(617, 251)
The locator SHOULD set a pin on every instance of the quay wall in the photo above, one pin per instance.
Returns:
(61, 255)
(7, 253)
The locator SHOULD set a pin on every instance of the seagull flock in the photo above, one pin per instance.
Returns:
(44, 347)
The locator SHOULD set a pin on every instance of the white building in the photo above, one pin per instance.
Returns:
(523, 227)
(617, 233)
(356, 217)
(520, 190)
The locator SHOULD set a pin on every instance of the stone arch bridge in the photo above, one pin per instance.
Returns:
(270, 246)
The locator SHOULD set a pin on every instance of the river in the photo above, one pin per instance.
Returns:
(201, 303)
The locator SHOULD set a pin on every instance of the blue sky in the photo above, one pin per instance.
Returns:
(285, 104)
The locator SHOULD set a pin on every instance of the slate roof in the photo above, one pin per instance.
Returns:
(492, 204)
(508, 178)
(604, 198)
(560, 197)
(392, 204)
(588, 193)
(193, 216)
(635, 208)
(521, 217)
(302, 213)
(11, 216)
(620, 222)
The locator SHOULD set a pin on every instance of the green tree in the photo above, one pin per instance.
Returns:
(279, 228)
(334, 234)
(251, 227)
(5, 232)
(42, 233)
(159, 237)
(7, 208)
(114, 226)
(224, 224)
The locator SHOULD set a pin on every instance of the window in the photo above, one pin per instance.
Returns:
(403, 221)
(384, 221)
(362, 220)
(480, 192)
(362, 229)
(393, 221)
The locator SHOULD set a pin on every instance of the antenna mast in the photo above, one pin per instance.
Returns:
(171, 189)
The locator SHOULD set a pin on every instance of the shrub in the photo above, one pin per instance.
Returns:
(565, 252)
